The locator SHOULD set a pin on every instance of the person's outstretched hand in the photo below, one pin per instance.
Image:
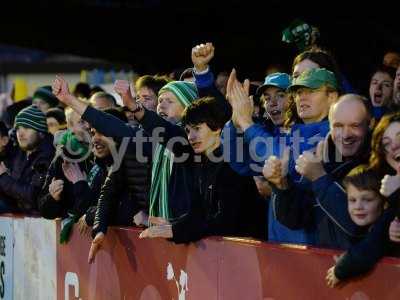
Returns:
(161, 228)
(124, 89)
(95, 247)
(242, 105)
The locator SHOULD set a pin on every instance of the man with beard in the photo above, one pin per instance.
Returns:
(346, 146)
(21, 183)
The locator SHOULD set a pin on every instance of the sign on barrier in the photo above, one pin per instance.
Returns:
(6, 258)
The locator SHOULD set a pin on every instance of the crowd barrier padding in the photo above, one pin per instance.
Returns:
(214, 268)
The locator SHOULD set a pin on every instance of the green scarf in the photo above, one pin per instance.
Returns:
(185, 92)
(160, 174)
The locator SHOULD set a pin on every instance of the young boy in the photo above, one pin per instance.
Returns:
(365, 206)
(221, 201)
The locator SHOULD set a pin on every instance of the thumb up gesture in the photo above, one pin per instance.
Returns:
(309, 164)
(275, 170)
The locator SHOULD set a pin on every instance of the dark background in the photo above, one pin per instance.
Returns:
(157, 35)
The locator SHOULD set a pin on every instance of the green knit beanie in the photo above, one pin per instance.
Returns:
(31, 117)
(185, 92)
(45, 93)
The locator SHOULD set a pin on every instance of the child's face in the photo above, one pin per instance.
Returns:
(364, 206)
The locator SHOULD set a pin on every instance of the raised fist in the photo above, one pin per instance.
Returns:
(202, 55)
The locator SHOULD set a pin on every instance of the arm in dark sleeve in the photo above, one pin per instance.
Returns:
(172, 136)
(25, 195)
(107, 124)
(90, 215)
(363, 256)
(111, 126)
(50, 208)
(105, 203)
(292, 208)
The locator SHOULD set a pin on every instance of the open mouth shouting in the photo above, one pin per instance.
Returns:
(378, 98)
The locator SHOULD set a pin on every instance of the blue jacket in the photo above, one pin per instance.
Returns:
(248, 158)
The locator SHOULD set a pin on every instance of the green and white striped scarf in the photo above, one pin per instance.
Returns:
(160, 174)
(186, 93)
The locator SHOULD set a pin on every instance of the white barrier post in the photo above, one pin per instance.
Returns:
(6, 258)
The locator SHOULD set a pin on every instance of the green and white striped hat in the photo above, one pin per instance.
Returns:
(185, 92)
(31, 117)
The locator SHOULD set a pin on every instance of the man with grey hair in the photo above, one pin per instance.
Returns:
(102, 100)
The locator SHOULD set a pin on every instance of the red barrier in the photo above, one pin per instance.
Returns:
(214, 268)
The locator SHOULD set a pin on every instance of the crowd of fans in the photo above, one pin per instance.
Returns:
(300, 158)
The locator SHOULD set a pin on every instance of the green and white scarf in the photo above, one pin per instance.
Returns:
(161, 172)
(186, 93)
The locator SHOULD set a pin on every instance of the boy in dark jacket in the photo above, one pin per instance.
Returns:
(217, 194)
(365, 207)
(21, 183)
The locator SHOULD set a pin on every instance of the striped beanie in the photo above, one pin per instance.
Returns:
(185, 92)
(31, 117)
(45, 93)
